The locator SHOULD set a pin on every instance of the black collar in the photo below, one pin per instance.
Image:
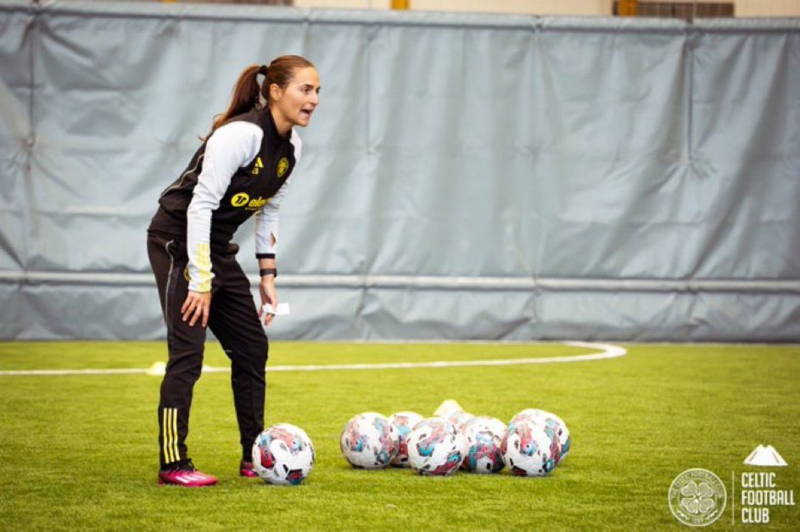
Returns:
(272, 128)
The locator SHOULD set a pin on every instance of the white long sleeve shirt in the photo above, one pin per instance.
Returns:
(232, 148)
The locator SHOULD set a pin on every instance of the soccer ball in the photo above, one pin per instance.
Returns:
(483, 436)
(283, 454)
(369, 441)
(459, 418)
(527, 449)
(553, 425)
(435, 447)
(497, 427)
(403, 423)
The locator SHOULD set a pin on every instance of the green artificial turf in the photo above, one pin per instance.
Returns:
(80, 452)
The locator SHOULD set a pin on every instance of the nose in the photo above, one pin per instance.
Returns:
(314, 98)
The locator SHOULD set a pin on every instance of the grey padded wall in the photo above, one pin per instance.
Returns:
(465, 176)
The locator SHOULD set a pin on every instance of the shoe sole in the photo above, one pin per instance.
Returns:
(162, 483)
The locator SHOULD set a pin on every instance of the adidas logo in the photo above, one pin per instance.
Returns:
(258, 166)
(765, 455)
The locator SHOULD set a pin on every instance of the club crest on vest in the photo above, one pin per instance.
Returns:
(283, 165)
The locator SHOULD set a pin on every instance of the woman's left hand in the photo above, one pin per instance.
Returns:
(268, 295)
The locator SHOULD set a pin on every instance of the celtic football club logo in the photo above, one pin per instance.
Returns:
(283, 165)
(697, 497)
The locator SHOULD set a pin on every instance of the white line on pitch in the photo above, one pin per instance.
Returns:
(607, 351)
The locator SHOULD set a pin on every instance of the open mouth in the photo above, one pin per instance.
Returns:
(305, 113)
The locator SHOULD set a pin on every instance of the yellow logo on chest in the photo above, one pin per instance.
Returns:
(258, 166)
(242, 199)
(283, 165)
(256, 203)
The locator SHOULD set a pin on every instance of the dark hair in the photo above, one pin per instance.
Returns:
(247, 88)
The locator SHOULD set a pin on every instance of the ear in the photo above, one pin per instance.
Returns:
(275, 92)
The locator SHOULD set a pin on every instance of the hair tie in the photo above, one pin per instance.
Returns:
(263, 69)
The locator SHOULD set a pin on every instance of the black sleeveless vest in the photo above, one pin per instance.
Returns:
(250, 188)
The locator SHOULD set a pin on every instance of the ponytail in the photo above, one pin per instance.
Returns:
(245, 96)
(248, 94)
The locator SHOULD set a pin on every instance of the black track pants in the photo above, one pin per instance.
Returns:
(233, 320)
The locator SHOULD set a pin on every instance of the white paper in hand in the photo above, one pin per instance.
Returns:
(281, 310)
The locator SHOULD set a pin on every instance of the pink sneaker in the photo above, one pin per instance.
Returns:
(246, 470)
(186, 476)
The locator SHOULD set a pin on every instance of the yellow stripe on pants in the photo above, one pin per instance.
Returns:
(169, 423)
(175, 453)
(164, 443)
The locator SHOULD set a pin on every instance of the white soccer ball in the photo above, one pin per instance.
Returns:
(459, 418)
(283, 454)
(403, 423)
(435, 447)
(496, 426)
(369, 441)
(553, 425)
(528, 450)
(483, 436)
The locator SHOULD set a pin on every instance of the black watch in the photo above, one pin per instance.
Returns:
(268, 271)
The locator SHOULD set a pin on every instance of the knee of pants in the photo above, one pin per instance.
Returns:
(254, 353)
(258, 352)
(183, 374)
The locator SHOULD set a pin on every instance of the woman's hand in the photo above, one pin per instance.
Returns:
(196, 306)
(268, 295)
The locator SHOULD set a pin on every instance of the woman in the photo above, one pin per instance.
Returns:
(242, 168)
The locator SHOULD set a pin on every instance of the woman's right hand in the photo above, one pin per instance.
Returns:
(196, 306)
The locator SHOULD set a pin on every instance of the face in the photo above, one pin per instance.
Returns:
(297, 101)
